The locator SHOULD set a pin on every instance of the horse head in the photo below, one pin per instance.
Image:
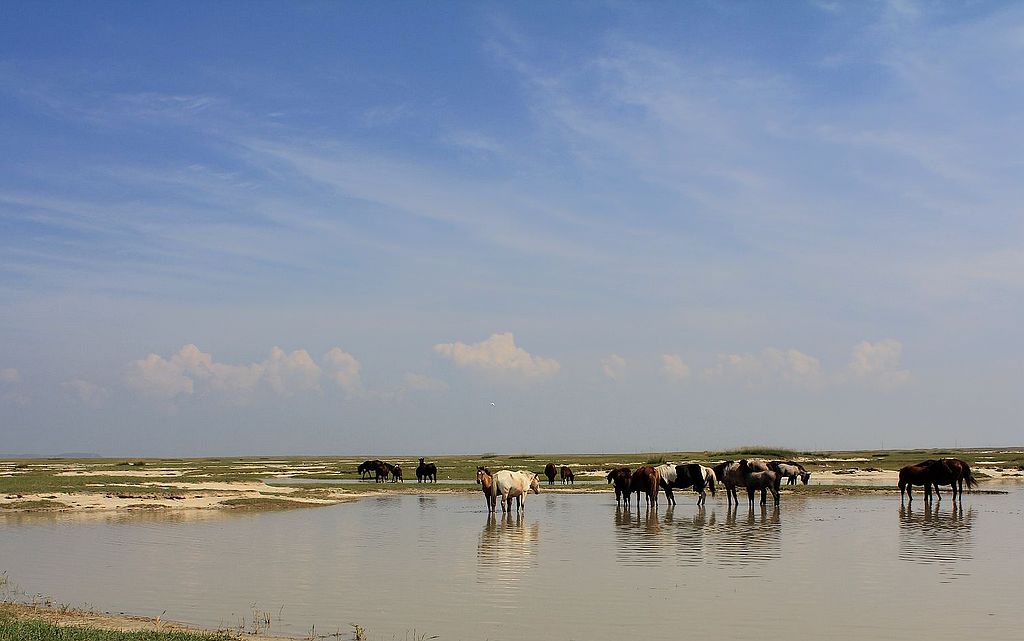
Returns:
(534, 483)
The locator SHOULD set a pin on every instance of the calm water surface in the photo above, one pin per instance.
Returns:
(575, 567)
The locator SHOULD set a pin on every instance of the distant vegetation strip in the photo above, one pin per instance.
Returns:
(17, 629)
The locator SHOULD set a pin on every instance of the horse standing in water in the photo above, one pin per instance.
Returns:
(680, 477)
(731, 476)
(647, 480)
(951, 472)
(516, 485)
(486, 481)
(620, 477)
(550, 472)
(567, 475)
(762, 480)
(426, 472)
(961, 472)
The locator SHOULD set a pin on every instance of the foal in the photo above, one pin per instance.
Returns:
(567, 476)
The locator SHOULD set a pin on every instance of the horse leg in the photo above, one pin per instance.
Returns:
(668, 495)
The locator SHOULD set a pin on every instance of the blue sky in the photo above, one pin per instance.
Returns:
(351, 227)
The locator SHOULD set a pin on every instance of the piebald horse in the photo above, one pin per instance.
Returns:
(679, 477)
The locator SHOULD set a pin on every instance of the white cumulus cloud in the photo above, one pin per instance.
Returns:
(613, 366)
(772, 364)
(500, 354)
(344, 370)
(285, 373)
(424, 383)
(879, 363)
(88, 393)
(674, 368)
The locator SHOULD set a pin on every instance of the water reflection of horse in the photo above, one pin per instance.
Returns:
(931, 473)
(929, 536)
(507, 544)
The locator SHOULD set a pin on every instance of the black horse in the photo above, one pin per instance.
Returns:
(368, 467)
(426, 472)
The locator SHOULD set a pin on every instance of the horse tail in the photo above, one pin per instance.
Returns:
(969, 477)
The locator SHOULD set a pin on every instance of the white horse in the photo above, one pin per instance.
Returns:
(511, 484)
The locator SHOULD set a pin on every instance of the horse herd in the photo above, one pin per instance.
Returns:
(649, 480)
(425, 472)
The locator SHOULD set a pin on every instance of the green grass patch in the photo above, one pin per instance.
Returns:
(42, 504)
(16, 629)
(264, 503)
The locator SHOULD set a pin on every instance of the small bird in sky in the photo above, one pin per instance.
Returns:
(492, 403)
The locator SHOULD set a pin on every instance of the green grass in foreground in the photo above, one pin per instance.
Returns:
(13, 629)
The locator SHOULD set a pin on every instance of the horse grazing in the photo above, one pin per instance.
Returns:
(760, 480)
(426, 472)
(550, 472)
(645, 479)
(790, 471)
(567, 476)
(486, 481)
(680, 477)
(516, 485)
(620, 477)
(367, 467)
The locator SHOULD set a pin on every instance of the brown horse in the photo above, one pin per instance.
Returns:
(381, 471)
(960, 472)
(550, 472)
(947, 471)
(645, 479)
(621, 478)
(486, 481)
(567, 476)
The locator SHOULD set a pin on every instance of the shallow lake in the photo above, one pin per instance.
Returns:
(574, 567)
